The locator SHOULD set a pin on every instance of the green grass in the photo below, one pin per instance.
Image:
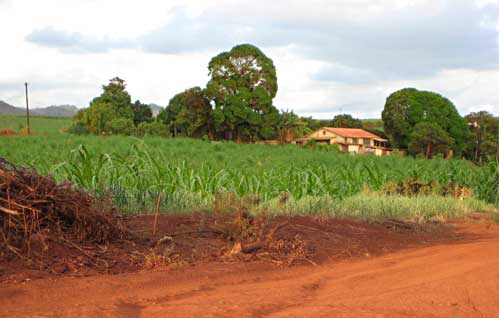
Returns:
(372, 205)
(39, 124)
(190, 173)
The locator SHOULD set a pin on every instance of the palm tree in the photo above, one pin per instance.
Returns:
(290, 126)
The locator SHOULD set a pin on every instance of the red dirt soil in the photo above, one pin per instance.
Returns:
(8, 132)
(415, 273)
(299, 240)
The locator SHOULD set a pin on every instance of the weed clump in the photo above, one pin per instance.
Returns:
(414, 187)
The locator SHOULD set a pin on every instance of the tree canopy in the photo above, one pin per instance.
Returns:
(113, 111)
(430, 139)
(290, 126)
(346, 121)
(484, 141)
(141, 113)
(116, 96)
(406, 108)
(243, 84)
(189, 114)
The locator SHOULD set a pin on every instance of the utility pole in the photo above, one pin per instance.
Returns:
(27, 109)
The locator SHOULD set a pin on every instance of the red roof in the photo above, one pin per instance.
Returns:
(353, 133)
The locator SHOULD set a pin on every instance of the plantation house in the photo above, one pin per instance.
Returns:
(352, 140)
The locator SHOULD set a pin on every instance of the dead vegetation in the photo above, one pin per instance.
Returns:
(38, 215)
(414, 187)
(247, 237)
(254, 237)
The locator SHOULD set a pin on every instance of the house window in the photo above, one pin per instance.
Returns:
(355, 141)
(323, 132)
(366, 141)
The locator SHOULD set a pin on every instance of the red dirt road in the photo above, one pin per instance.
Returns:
(450, 280)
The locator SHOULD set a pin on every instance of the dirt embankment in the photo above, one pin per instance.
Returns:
(177, 242)
(363, 271)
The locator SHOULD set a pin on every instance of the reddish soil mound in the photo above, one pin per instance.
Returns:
(8, 132)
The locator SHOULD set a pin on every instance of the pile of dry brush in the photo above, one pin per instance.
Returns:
(36, 214)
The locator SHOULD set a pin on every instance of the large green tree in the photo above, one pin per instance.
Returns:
(430, 139)
(113, 103)
(189, 114)
(406, 108)
(117, 97)
(97, 117)
(243, 84)
(141, 113)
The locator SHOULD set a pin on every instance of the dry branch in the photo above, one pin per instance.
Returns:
(34, 209)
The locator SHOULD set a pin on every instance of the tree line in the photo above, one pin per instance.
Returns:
(237, 104)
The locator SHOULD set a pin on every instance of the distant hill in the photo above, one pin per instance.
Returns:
(55, 111)
(155, 109)
(6, 109)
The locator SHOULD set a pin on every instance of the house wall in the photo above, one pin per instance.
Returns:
(369, 150)
(343, 148)
(353, 148)
(322, 133)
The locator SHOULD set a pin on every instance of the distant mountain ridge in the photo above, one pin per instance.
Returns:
(155, 109)
(56, 111)
(6, 109)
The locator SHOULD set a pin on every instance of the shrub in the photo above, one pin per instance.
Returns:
(312, 143)
(121, 126)
(154, 128)
(77, 128)
(328, 147)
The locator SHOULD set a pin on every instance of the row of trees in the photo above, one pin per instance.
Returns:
(114, 113)
(237, 104)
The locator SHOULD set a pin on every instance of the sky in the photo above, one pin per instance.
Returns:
(331, 56)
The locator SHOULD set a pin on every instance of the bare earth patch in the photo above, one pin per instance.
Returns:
(390, 269)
